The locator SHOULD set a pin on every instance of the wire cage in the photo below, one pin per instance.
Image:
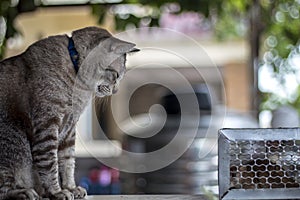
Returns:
(259, 163)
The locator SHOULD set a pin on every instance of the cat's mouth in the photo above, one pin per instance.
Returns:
(106, 90)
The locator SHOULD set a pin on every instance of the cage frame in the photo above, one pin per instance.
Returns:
(258, 134)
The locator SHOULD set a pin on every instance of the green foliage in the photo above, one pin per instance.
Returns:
(9, 11)
(9, 14)
(284, 25)
(100, 11)
(204, 7)
(121, 23)
(209, 195)
(281, 39)
(229, 14)
(229, 27)
(232, 19)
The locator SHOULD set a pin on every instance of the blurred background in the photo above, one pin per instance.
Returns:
(253, 75)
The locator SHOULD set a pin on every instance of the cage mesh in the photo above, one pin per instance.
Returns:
(264, 164)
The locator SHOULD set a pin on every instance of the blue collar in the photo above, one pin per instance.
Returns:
(73, 54)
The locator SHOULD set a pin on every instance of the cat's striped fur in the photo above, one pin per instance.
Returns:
(41, 99)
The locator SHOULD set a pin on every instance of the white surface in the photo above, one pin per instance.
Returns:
(85, 145)
(178, 53)
(97, 148)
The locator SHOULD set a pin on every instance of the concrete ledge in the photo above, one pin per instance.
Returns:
(147, 197)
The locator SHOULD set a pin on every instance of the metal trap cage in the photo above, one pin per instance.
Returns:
(259, 163)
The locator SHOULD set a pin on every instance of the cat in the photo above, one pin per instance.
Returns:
(43, 92)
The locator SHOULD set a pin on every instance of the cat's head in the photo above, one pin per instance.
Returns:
(102, 58)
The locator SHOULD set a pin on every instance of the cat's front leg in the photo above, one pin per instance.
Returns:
(66, 161)
(45, 160)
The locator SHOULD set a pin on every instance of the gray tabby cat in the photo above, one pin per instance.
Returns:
(41, 99)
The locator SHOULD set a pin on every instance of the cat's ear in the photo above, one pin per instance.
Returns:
(122, 47)
(134, 50)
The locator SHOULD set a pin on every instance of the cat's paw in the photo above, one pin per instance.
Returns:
(62, 195)
(23, 194)
(78, 192)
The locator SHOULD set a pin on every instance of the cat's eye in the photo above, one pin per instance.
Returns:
(114, 72)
